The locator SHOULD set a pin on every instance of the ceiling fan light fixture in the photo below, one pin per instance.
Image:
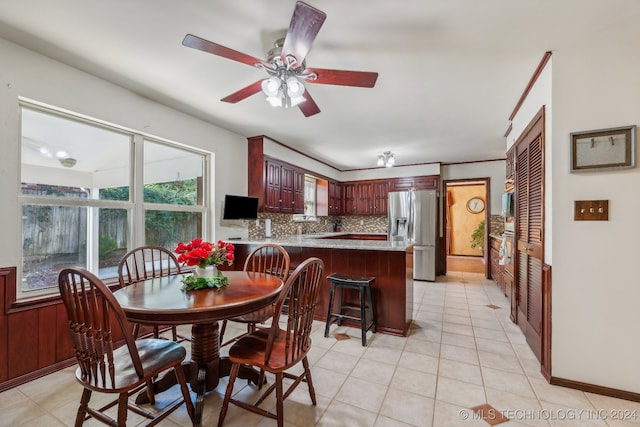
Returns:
(380, 160)
(295, 88)
(272, 87)
(275, 101)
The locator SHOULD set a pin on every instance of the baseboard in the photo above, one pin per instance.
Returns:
(596, 389)
(23, 379)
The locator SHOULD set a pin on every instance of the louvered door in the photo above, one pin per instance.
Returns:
(529, 193)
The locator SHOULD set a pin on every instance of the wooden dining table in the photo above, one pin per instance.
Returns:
(162, 301)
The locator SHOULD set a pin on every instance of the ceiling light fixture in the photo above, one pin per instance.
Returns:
(284, 88)
(68, 162)
(386, 159)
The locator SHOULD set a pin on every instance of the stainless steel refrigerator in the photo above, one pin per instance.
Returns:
(413, 218)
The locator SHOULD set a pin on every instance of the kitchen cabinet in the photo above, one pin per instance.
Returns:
(380, 191)
(284, 188)
(349, 197)
(427, 182)
(279, 187)
(335, 198)
(366, 197)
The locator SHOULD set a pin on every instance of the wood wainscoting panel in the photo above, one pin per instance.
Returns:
(6, 280)
(22, 342)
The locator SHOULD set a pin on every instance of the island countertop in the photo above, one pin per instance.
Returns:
(331, 240)
(391, 263)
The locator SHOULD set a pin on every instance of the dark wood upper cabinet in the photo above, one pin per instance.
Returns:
(349, 199)
(280, 187)
(380, 197)
(335, 198)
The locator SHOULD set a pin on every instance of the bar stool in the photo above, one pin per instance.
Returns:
(340, 282)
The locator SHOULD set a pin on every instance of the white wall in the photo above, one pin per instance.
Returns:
(27, 74)
(596, 289)
(540, 96)
(494, 170)
(594, 84)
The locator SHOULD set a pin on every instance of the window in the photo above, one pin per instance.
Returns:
(309, 196)
(90, 192)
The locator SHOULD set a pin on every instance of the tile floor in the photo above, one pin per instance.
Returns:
(461, 354)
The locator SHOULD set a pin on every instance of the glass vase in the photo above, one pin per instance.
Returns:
(208, 271)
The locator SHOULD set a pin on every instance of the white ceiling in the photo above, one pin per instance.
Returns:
(450, 71)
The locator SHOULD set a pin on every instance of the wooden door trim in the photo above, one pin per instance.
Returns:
(487, 215)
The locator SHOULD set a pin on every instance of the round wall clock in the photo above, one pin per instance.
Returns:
(475, 205)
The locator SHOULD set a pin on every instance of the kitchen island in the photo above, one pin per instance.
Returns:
(362, 254)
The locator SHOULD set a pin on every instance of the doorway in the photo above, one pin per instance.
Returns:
(466, 206)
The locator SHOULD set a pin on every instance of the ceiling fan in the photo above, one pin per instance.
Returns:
(286, 65)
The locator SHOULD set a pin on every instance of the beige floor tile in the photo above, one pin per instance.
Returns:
(338, 362)
(459, 340)
(455, 328)
(382, 354)
(460, 354)
(342, 414)
(460, 371)
(448, 415)
(460, 320)
(507, 381)
(499, 361)
(419, 362)
(409, 408)
(524, 410)
(563, 396)
(494, 346)
(383, 421)
(327, 382)
(415, 382)
(376, 372)
(420, 346)
(490, 334)
(363, 394)
(486, 323)
(17, 408)
(460, 393)
(561, 416)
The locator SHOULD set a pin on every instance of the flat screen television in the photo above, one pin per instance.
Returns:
(240, 207)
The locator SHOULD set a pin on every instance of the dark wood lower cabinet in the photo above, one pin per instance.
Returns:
(392, 290)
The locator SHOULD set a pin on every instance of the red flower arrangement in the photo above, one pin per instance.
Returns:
(203, 254)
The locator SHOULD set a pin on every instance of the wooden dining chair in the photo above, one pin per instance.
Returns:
(266, 258)
(147, 262)
(280, 347)
(96, 321)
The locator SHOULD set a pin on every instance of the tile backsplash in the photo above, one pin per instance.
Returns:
(284, 225)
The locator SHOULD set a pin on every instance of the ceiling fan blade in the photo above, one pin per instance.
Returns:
(343, 77)
(196, 42)
(303, 29)
(309, 106)
(243, 93)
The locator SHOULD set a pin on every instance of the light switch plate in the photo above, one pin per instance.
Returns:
(591, 210)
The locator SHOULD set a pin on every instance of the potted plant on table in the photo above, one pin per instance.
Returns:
(206, 257)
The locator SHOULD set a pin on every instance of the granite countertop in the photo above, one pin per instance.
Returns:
(316, 241)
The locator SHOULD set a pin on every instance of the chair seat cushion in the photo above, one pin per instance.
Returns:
(156, 356)
(251, 348)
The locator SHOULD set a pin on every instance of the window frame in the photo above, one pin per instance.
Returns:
(135, 205)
